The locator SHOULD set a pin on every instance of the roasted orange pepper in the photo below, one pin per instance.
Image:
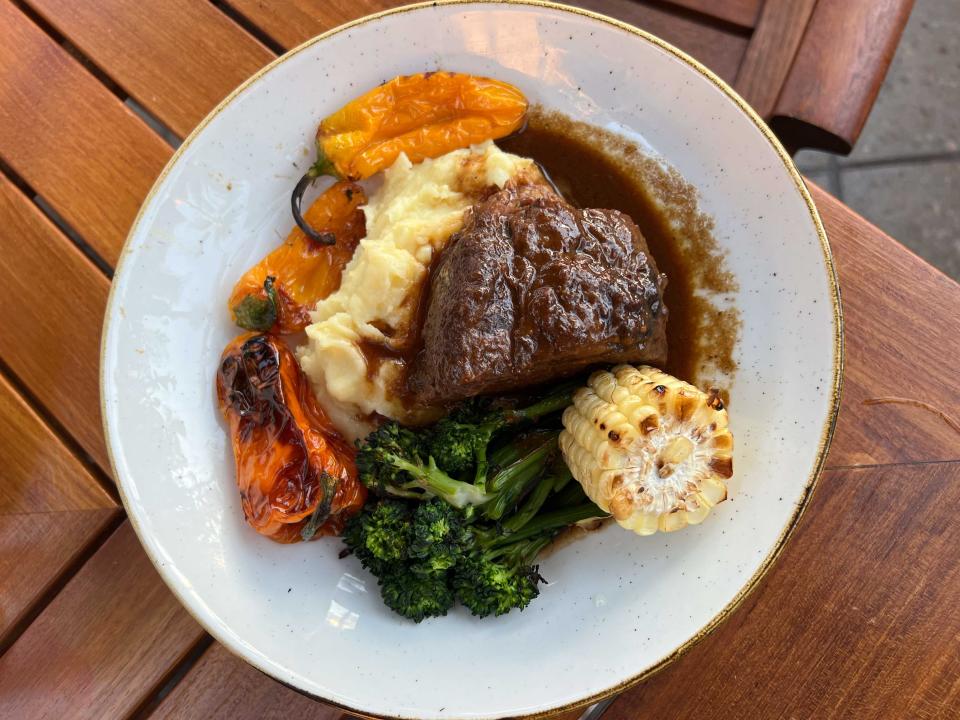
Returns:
(278, 292)
(424, 116)
(296, 474)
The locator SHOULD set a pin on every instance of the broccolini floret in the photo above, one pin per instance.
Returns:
(380, 534)
(390, 462)
(439, 537)
(416, 596)
(461, 440)
(488, 587)
(390, 438)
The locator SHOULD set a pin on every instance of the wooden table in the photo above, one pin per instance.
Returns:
(860, 617)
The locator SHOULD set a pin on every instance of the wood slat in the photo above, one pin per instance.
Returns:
(51, 509)
(718, 49)
(54, 300)
(290, 23)
(738, 12)
(73, 141)
(103, 645)
(771, 52)
(222, 686)
(901, 340)
(860, 618)
(177, 58)
(838, 72)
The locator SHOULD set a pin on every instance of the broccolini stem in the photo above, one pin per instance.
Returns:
(532, 462)
(551, 521)
(515, 481)
(535, 500)
(562, 477)
(556, 400)
(480, 453)
(571, 494)
(437, 482)
(519, 447)
(506, 455)
(528, 550)
(401, 492)
(506, 418)
(520, 553)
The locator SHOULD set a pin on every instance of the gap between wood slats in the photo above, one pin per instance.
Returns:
(771, 52)
(173, 678)
(91, 67)
(154, 123)
(246, 24)
(71, 233)
(696, 11)
(66, 576)
(85, 459)
(51, 509)
(66, 228)
(70, 48)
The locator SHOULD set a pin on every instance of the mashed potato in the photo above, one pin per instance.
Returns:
(359, 334)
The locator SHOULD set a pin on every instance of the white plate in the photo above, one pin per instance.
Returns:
(617, 606)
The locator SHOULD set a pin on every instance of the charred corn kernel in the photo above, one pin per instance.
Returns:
(279, 292)
(650, 449)
(425, 116)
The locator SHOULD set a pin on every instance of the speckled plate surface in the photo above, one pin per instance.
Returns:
(618, 606)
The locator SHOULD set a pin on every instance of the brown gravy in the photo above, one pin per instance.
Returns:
(595, 168)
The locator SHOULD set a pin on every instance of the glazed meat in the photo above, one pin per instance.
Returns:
(534, 289)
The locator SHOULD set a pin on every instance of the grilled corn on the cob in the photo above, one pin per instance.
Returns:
(648, 448)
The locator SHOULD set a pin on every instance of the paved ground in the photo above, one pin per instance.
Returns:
(904, 173)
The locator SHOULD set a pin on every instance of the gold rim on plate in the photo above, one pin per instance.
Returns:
(838, 349)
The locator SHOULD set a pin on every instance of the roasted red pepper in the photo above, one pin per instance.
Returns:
(296, 474)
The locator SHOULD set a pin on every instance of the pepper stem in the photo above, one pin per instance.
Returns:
(296, 200)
